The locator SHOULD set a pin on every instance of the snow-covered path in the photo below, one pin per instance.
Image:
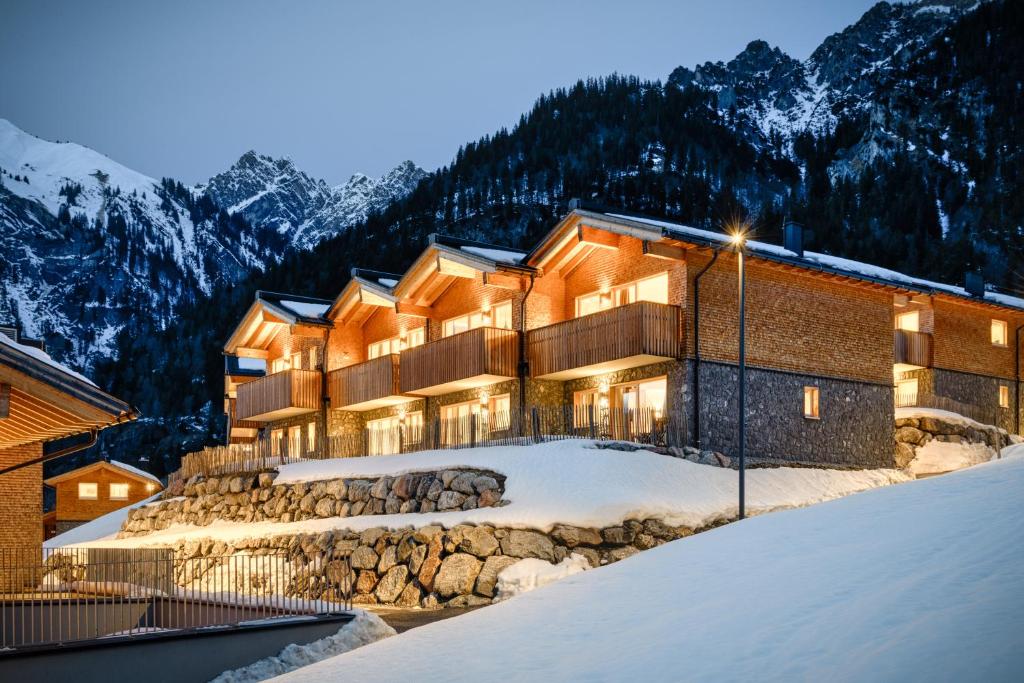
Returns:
(923, 581)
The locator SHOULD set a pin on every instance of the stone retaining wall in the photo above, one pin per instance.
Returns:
(426, 567)
(256, 498)
(914, 432)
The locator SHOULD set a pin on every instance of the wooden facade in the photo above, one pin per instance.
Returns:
(470, 359)
(280, 395)
(108, 478)
(616, 339)
(364, 386)
(913, 348)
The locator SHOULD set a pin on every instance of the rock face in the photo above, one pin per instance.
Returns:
(256, 498)
(427, 567)
(914, 432)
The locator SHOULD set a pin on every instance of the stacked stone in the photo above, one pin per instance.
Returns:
(426, 567)
(256, 498)
(914, 432)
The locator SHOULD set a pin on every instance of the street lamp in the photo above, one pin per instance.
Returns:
(738, 239)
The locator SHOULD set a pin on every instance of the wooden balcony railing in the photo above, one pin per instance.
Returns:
(469, 359)
(365, 385)
(283, 394)
(626, 336)
(912, 348)
(240, 430)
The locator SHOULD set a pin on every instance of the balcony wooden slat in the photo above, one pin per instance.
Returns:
(365, 385)
(481, 356)
(913, 348)
(643, 331)
(283, 394)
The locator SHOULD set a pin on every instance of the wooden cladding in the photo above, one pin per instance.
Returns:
(364, 382)
(485, 352)
(643, 329)
(280, 395)
(913, 348)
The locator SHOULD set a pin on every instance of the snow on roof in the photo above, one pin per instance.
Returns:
(306, 310)
(495, 254)
(567, 482)
(854, 268)
(831, 591)
(44, 357)
(135, 470)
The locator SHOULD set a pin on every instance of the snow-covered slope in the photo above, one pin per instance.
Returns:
(923, 581)
(305, 210)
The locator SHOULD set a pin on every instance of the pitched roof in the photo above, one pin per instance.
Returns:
(123, 468)
(276, 308)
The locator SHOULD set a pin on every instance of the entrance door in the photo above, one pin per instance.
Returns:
(638, 409)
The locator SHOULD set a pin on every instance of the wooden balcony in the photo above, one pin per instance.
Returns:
(624, 337)
(463, 361)
(240, 431)
(281, 395)
(365, 386)
(913, 348)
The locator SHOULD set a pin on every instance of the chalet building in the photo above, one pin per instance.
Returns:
(622, 326)
(41, 401)
(94, 490)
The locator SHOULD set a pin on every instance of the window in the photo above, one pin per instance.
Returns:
(1004, 396)
(999, 335)
(119, 492)
(906, 393)
(387, 435)
(396, 344)
(499, 316)
(811, 397)
(313, 353)
(311, 436)
(297, 360)
(585, 406)
(88, 491)
(909, 321)
(648, 289)
(294, 441)
(276, 440)
(278, 365)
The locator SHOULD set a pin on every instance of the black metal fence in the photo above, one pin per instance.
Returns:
(62, 595)
(479, 428)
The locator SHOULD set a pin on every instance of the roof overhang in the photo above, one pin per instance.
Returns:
(263, 320)
(440, 266)
(359, 299)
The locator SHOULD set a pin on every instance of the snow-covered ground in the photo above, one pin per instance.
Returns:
(923, 581)
(566, 482)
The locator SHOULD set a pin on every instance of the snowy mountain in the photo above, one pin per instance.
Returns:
(274, 193)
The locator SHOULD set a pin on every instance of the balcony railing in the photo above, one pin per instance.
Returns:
(283, 394)
(628, 336)
(365, 386)
(470, 359)
(912, 348)
(240, 431)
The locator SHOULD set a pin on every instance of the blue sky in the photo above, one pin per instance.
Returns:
(182, 89)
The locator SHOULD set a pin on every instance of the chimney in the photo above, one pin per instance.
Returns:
(974, 283)
(793, 238)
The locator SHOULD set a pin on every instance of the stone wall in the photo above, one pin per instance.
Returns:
(431, 566)
(256, 498)
(855, 427)
(914, 432)
(979, 390)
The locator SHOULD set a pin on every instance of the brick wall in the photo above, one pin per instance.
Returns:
(72, 508)
(795, 321)
(21, 498)
(963, 339)
(285, 343)
(468, 295)
(345, 346)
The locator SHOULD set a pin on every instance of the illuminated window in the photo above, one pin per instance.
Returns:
(811, 397)
(311, 436)
(276, 439)
(585, 407)
(88, 491)
(909, 321)
(499, 316)
(999, 335)
(653, 288)
(279, 365)
(294, 441)
(119, 492)
(313, 353)
(297, 360)
(387, 435)
(396, 344)
(1004, 396)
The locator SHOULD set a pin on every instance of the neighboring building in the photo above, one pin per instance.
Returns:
(601, 319)
(94, 490)
(40, 401)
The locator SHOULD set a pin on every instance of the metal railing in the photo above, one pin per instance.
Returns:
(915, 399)
(506, 428)
(62, 595)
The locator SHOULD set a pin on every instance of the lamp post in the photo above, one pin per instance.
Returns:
(738, 238)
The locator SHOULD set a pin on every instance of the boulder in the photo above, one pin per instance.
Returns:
(485, 483)
(388, 559)
(392, 583)
(308, 503)
(392, 504)
(409, 506)
(431, 563)
(419, 553)
(358, 491)
(488, 498)
(572, 536)
(904, 454)
(324, 507)
(478, 541)
(450, 500)
(426, 533)
(381, 488)
(463, 483)
(435, 490)
(488, 577)
(364, 557)
(266, 479)
(405, 486)
(467, 601)
(617, 535)
(447, 477)
(366, 581)
(457, 575)
(410, 596)
(520, 543)
(910, 435)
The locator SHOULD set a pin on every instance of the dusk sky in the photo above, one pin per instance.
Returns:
(182, 89)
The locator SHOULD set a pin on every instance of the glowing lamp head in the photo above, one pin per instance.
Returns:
(737, 238)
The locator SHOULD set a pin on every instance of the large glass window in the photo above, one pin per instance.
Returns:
(294, 441)
(397, 344)
(276, 441)
(499, 316)
(909, 321)
(386, 435)
(119, 492)
(999, 332)
(653, 288)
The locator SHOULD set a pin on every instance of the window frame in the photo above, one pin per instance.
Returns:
(1005, 333)
(110, 490)
(1004, 396)
(812, 412)
(477, 319)
(95, 490)
(612, 298)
